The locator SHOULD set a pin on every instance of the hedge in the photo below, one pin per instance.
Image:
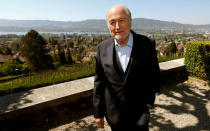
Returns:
(197, 59)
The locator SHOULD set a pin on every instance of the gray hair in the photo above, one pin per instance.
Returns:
(128, 13)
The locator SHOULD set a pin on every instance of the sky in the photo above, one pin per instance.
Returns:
(182, 11)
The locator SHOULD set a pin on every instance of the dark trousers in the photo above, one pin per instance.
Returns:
(129, 127)
(129, 124)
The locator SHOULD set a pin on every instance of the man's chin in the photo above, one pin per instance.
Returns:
(120, 38)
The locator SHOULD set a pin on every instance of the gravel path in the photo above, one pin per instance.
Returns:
(177, 107)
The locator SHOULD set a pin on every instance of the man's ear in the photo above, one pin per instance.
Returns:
(130, 24)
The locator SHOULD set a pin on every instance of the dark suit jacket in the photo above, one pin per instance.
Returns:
(118, 95)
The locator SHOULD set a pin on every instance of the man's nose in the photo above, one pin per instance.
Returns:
(117, 25)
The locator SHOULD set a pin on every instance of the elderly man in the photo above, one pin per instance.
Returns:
(127, 75)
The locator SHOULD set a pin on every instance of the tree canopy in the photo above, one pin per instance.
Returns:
(35, 52)
(171, 49)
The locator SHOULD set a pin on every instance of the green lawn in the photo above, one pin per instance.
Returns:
(45, 78)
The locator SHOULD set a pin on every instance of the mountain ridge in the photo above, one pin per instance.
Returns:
(90, 25)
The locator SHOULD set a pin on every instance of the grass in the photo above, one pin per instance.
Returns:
(8, 78)
(168, 58)
(63, 74)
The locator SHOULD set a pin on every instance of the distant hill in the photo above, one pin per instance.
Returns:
(93, 25)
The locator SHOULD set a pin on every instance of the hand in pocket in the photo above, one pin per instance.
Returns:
(143, 120)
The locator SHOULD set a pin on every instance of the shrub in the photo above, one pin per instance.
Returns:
(25, 69)
(197, 59)
(11, 67)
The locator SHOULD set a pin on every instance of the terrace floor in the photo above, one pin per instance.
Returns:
(184, 106)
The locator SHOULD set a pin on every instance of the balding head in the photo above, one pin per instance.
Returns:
(120, 8)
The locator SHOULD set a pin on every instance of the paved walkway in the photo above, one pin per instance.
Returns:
(177, 107)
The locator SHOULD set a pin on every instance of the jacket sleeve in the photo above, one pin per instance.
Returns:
(99, 88)
(155, 75)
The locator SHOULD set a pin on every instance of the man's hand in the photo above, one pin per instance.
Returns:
(100, 122)
(150, 106)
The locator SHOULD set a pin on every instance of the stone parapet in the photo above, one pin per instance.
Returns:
(173, 71)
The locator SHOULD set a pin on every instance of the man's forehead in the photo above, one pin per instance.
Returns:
(116, 15)
(111, 18)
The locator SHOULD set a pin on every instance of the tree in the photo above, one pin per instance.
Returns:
(171, 49)
(54, 55)
(81, 48)
(70, 43)
(34, 51)
(1, 50)
(68, 56)
(61, 55)
(53, 41)
(8, 51)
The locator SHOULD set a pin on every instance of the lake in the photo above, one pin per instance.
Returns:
(23, 33)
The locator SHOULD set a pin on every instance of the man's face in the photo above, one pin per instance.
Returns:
(119, 24)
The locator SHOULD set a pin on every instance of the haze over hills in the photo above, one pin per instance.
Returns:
(91, 25)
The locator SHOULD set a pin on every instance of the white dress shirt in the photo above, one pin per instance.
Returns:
(124, 52)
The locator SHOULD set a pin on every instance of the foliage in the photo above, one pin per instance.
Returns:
(1, 52)
(11, 67)
(53, 41)
(197, 59)
(168, 58)
(81, 47)
(171, 49)
(61, 55)
(63, 74)
(76, 57)
(34, 51)
(71, 44)
(9, 77)
(5, 50)
(25, 69)
(8, 51)
(68, 57)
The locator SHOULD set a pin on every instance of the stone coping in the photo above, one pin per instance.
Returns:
(171, 64)
(44, 94)
(21, 100)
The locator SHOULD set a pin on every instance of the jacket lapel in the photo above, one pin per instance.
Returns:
(130, 64)
(116, 63)
(113, 62)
